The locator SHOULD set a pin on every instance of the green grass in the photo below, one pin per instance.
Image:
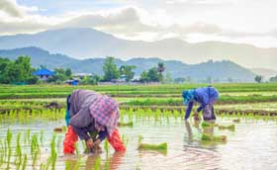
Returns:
(61, 91)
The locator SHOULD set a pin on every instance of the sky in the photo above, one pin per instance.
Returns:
(238, 21)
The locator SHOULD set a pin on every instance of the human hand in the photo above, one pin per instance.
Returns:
(196, 116)
(89, 143)
(97, 142)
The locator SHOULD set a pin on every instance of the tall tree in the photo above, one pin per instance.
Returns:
(18, 71)
(144, 77)
(152, 75)
(161, 67)
(68, 72)
(258, 79)
(273, 79)
(127, 71)
(110, 69)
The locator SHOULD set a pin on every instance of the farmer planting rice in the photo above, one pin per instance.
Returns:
(91, 117)
(206, 97)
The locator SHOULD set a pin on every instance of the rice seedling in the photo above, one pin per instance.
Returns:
(211, 138)
(106, 146)
(35, 149)
(18, 151)
(236, 120)
(97, 165)
(9, 139)
(24, 164)
(128, 124)
(140, 138)
(125, 140)
(156, 147)
(208, 124)
(27, 137)
(53, 156)
(230, 127)
(41, 137)
(76, 146)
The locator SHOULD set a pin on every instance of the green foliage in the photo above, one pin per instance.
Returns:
(110, 69)
(144, 76)
(18, 71)
(152, 75)
(60, 75)
(68, 72)
(258, 79)
(90, 80)
(126, 70)
(161, 67)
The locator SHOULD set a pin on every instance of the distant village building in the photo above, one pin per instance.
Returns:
(82, 75)
(43, 74)
(73, 82)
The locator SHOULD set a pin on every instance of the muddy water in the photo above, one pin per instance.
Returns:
(253, 145)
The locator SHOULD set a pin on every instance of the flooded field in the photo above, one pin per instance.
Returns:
(243, 137)
(252, 145)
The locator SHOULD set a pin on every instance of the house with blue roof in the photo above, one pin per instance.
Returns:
(43, 74)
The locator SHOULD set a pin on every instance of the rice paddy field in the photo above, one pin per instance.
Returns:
(151, 126)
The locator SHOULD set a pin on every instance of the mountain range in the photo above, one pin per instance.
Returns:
(217, 70)
(84, 43)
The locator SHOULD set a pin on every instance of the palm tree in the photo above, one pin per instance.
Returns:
(161, 67)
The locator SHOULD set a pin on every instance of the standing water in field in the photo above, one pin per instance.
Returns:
(252, 145)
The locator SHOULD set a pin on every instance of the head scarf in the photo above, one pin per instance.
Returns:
(105, 111)
(188, 96)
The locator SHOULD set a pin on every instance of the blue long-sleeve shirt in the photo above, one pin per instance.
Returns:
(203, 96)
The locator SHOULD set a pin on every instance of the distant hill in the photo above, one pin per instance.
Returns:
(266, 73)
(39, 57)
(89, 43)
(219, 70)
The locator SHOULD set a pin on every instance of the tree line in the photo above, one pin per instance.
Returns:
(20, 71)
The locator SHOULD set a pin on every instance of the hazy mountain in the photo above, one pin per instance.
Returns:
(221, 71)
(266, 73)
(39, 57)
(88, 43)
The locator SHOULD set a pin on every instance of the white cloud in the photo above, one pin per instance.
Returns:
(239, 21)
(11, 8)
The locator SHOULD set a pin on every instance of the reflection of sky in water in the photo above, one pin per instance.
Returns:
(253, 145)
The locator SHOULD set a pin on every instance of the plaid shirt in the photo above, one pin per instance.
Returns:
(105, 111)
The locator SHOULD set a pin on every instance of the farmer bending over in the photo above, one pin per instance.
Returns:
(91, 117)
(206, 97)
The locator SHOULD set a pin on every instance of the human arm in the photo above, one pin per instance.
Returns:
(201, 107)
(67, 117)
(82, 123)
(188, 111)
(101, 136)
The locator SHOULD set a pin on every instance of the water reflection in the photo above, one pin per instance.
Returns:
(90, 163)
(111, 163)
(116, 160)
(196, 156)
